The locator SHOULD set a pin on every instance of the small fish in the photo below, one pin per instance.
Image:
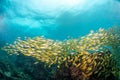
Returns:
(72, 52)
(36, 62)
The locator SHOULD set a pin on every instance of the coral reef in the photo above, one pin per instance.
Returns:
(94, 56)
(10, 72)
(34, 68)
(96, 66)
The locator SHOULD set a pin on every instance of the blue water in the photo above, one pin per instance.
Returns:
(55, 19)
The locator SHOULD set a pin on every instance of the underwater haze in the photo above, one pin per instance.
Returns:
(59, 39)
(55, 19)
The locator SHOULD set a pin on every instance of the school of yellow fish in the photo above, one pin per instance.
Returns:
(87, 53)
